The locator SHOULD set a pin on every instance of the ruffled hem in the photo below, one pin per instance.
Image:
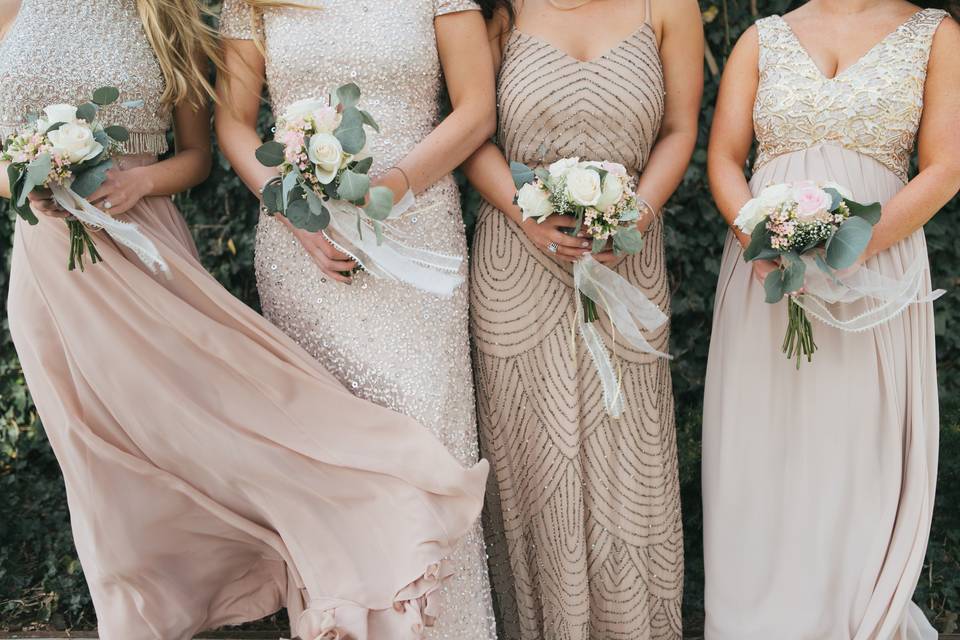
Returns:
(415, 608)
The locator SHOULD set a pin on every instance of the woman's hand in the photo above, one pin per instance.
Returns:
(543, 234)
(43, 204)
(763, 268)
(328, 258)
(122, 189)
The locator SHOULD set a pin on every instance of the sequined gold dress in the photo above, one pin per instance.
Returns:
(818, 482)
(385, 341)
(584, 514)
(215, 471)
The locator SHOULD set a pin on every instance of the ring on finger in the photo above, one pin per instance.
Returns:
(107, 205)
(553, 247)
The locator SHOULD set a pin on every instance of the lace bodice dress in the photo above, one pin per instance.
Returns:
(818, 482)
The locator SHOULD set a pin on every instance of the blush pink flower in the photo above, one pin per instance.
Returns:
(812, 201)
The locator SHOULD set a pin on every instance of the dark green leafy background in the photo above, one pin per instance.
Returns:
(41, 583)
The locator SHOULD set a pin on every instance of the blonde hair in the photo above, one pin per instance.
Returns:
(184, 45)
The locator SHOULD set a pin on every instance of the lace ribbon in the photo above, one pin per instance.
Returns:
(630, 313)
(889, 296)
(426, 270)
(125, 233)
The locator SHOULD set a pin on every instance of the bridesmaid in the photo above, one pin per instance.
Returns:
(818, 483)
(586, 537)
(384, 340)
(214, 471)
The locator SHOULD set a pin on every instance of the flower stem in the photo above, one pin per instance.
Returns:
(590, 313)
(798, 341)
(81, 242)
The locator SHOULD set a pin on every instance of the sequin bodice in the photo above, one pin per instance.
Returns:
(609, 108)
(60, 51)
(873, 106)
(387, 47)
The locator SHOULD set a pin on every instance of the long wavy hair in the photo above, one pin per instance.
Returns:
(185, 45)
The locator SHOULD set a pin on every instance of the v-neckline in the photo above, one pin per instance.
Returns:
(606, 54)
(871, 51)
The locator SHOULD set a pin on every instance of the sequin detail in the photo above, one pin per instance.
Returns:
(385, 341)
(875, 111)
(62, 51)
(583, 512)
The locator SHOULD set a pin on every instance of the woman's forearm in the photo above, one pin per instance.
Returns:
(666, 167)
(488, 172)
(182, 171)
(730, 190)
(914, 206)
(239, 142)
(4, 181)
(447, 146)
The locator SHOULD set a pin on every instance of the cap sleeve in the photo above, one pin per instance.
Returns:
(240, 21)
(444, 7)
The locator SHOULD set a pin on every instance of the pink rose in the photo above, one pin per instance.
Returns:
(812, 201)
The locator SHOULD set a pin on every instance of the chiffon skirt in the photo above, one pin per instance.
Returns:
(215, 472)
(818, 483)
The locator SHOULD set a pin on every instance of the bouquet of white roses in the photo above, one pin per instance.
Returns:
(600, 196)
(789, 221)
(320, 150)
(68, 151)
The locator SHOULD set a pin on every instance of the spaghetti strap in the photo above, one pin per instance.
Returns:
(648, 13)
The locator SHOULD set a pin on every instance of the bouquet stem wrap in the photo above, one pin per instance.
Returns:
(429, 271)
(125, 233)
(890, 296)
(630, 313)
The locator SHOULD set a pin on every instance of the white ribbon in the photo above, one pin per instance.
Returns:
(630, 313)
(125, 233)
(426, 270)
(888, 297)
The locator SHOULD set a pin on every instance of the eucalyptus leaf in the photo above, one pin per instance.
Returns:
(773, 286)
(349, 95)
(320, 212)
(39, 169)
(822, 264)
(273, 197)
(869, 212)
(350, 133)
(300, 216)
(353, 186)
(287, 184)
(87, 111)
(598, 245)
(759, 247)
(106, 95)
(270, 154)
(378, 231)
(849, 242)
(362, 166)
(91, 179)
(522, 174)
(132, 104)
(380, 204)
(16, 176)
(118, 133)
(794, 272)
(629, 241)
(629, 215)
(835, 196)
(369, 121)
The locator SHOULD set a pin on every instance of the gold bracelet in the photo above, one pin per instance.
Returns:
(645, 207)
(405, 177)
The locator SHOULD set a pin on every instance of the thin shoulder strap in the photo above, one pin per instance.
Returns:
(648, 13)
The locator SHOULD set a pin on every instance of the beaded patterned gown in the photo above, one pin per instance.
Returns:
(215, 472)
(385, 341)
(584, 514)
(818, 482)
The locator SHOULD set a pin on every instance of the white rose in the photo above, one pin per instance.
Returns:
(326, 153)
(583, 186)
(75, 142)
(612, 191)
(302, 109)
(534, 202)
(560, 168)
(750, 215)
(60, 113)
